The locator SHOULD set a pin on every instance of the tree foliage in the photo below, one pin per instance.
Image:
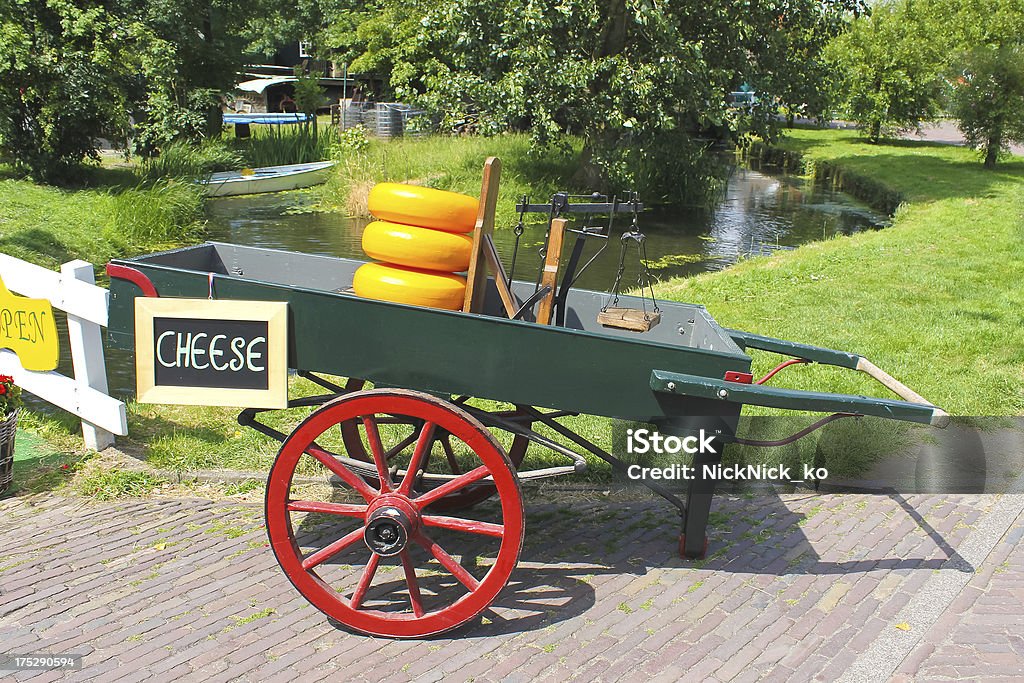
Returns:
(635, 78)
(60, 83)
(985, 43)
(889, 70)
(897, 67)
(72, 72)
(186, 53)
(988, 99)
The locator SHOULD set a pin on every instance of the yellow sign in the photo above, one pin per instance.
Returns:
(27, 328)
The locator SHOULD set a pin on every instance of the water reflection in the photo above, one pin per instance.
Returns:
(757, 214)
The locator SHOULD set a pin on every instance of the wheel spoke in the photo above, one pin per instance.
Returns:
(449, 452)
(344, 509)
(418, 460)
(448, 562)
(348, 476)
(469, 525)
(364, 581)
(324, 554)
(379, 459)
(451, 486)
(401, 446)
(415, 600)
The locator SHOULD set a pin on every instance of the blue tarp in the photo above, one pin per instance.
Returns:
(274, 119)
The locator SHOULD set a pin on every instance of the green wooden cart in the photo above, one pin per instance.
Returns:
(458, 398)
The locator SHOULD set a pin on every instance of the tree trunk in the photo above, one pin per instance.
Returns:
(613, 33)
(588, 174)
(875, 134)
(992, 151)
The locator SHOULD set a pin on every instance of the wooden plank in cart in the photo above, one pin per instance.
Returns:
(508, 299)
(476, 280)
(629, 319)
(549, 278)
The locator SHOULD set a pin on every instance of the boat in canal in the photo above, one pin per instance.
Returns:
(266, 179)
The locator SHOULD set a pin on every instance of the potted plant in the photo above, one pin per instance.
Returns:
(10, 403)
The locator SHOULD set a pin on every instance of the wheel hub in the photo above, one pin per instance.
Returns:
(387, 531)
(391, 523)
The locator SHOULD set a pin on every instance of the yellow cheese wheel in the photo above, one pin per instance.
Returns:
(423, 206)
(407, 245)
(413, 286)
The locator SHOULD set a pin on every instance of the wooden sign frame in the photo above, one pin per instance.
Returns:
(274, 313)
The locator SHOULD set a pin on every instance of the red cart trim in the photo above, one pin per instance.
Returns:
(136, 277)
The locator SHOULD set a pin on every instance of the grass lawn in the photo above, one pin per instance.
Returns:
(114, 216)
(935, 299)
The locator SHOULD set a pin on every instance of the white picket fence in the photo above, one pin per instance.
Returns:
(74, 291)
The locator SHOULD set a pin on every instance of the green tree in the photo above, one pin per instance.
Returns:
(636, 79)
(988, 99)
(985, 43)
(186, 53)
(73, 72)
(309, 96)
(889, 69)
(60, 84)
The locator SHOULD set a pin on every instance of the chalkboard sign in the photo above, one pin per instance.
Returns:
(208, 352)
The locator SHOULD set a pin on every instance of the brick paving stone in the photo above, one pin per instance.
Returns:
(745, 613)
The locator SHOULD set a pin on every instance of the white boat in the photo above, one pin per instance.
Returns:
(267, 179)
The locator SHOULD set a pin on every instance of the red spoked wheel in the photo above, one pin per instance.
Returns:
(375, 557)
(461, 500)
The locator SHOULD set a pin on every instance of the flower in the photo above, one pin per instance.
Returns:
(10, 396)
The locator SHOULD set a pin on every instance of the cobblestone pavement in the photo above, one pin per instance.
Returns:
(797, 587)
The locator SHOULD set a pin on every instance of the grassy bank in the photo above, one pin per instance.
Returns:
(935, 299)
(450, 163)
(118, 215)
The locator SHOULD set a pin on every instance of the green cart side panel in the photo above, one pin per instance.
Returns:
(452, 352)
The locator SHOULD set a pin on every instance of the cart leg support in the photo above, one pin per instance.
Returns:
(700, 491)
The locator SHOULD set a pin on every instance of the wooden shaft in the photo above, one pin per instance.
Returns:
(556, 236)
(476, 275)
(941, 418)
(508, 299)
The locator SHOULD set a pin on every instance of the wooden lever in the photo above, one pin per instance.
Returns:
(552, 258)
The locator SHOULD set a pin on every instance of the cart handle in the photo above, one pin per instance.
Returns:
(696, 386)
(818, 354)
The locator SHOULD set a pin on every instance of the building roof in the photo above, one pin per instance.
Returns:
(258, 85)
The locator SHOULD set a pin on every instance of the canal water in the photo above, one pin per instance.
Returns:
(757, 213)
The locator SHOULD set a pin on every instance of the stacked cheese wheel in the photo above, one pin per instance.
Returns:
(420, 237)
